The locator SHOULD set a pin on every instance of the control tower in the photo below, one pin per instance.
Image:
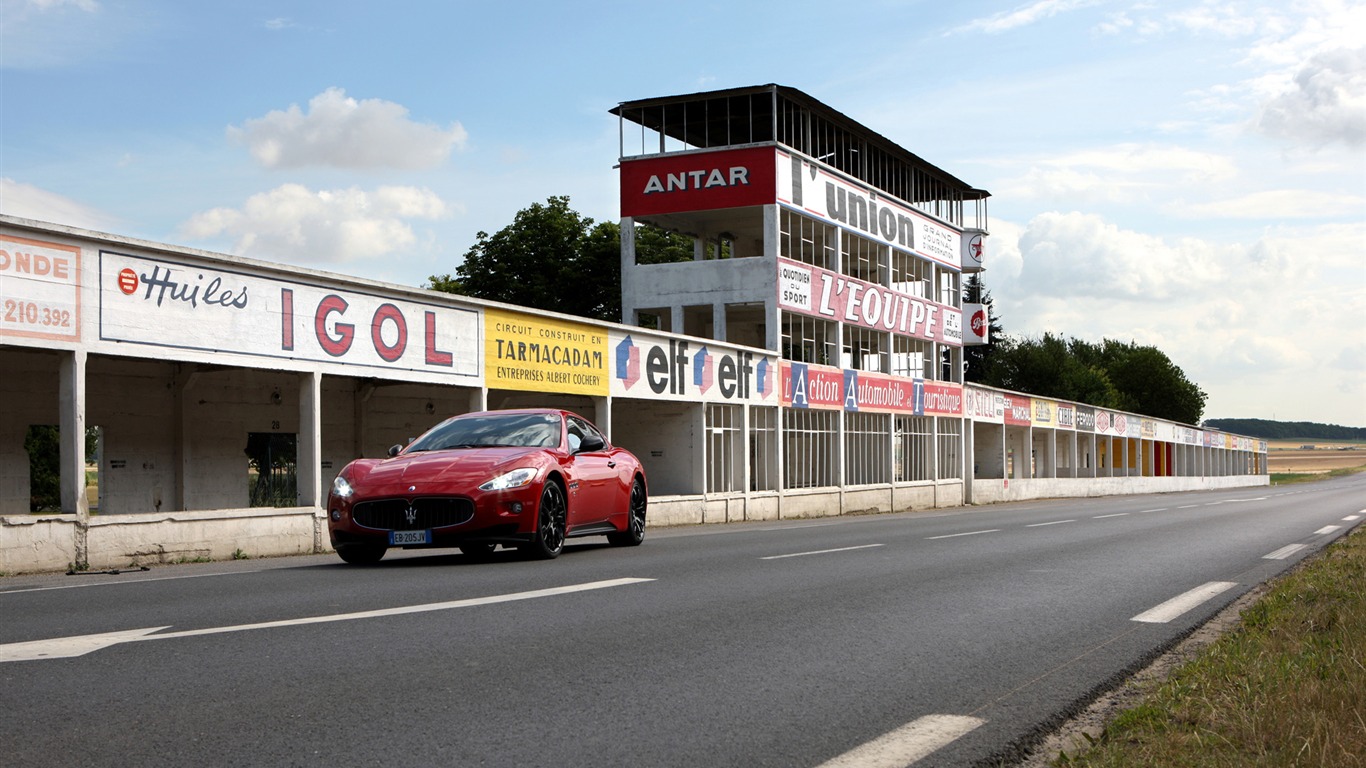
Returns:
(813, 236)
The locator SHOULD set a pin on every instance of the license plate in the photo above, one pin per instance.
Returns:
(399, 538)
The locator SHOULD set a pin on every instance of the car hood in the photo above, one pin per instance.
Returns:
(458, 466)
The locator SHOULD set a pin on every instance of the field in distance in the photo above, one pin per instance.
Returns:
(1307, 456)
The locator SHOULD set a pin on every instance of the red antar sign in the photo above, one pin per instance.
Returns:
(698, 181)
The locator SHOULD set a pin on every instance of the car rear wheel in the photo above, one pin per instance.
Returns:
(548, 540)
(635, 525)
(361, 554)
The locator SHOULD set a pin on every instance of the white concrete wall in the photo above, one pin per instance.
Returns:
(997, 491)
(134, 405)
(664, 436)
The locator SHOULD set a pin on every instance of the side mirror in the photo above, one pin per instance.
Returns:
(394, 450)
(591, 443)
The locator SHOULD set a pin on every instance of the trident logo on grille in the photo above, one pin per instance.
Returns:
(411, 514)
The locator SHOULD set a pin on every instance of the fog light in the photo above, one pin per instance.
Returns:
(516, 507)
(336, 515)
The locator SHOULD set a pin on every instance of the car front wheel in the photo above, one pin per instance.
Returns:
(547, 541)
(635, 525)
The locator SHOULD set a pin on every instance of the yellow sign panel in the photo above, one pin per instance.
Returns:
(1043, 412)
(534, 354)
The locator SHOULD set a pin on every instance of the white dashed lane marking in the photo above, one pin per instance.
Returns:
(67, 647)
(1182, 603)
(907, 744)
(820, 552)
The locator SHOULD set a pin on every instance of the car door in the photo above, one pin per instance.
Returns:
(592, 499)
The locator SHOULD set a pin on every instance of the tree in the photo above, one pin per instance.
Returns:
(977, 357)
(552, 258)
(1111, 374)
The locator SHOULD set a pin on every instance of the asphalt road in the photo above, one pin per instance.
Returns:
(953, 636)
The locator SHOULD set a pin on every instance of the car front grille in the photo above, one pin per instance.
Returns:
(401, 515)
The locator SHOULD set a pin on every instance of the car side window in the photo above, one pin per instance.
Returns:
(579, 429)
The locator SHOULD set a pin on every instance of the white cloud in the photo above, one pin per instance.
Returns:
(1023, 15)
(1120, 173)
(30, 202)
(298, 225)
(1275, 204)
(1070, 254)
(342, 132)
(39, 34)
(1327, 103)
(1271, 325)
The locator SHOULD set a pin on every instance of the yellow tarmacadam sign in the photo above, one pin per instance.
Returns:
(535, 354)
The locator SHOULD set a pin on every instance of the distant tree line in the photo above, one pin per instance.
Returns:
(1287, 430)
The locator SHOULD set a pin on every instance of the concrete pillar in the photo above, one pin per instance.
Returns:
(71, 423)
(602, 415)
(308, 466)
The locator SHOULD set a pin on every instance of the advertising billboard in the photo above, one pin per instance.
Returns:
(40, 289)
(819, 292)
(167, 303)
(537, 354)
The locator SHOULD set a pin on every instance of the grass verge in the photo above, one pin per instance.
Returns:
(1286, 688)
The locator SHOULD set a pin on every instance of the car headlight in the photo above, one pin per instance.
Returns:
(514, 479)
(342, 489)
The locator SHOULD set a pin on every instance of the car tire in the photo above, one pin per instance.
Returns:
(635, 518)
(547, 541)
(361, 554)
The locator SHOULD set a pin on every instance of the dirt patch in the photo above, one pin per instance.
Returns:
(1076, 735)
(1314, 461)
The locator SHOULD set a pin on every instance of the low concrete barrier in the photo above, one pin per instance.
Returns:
(38, 543)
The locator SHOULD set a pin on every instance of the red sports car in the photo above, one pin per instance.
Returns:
(523, 478)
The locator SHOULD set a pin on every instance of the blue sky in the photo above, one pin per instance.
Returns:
(1184, 173)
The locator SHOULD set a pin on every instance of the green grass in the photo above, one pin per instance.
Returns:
(1286, 688)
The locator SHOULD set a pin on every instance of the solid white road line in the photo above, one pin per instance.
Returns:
(1327, 529)
(969, 533)
(1184, 602)
(820, 552)
(907, 744)
(1284, 552)
(67, 647)
(1055, 522)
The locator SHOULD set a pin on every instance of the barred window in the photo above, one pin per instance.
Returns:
(911, 274)
(763, 449)
(808, 339)
(914, 446)
(804, 239)
(950, 447)
(862, 258)
(725, 440)
(909, 356)
(864, 349)
(949, 292)
(866, 447)
(810, 451)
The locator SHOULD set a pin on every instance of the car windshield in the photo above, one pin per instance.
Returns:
(532, 430)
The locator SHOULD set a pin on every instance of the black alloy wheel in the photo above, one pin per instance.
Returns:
(548, 540)
(635, 527)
